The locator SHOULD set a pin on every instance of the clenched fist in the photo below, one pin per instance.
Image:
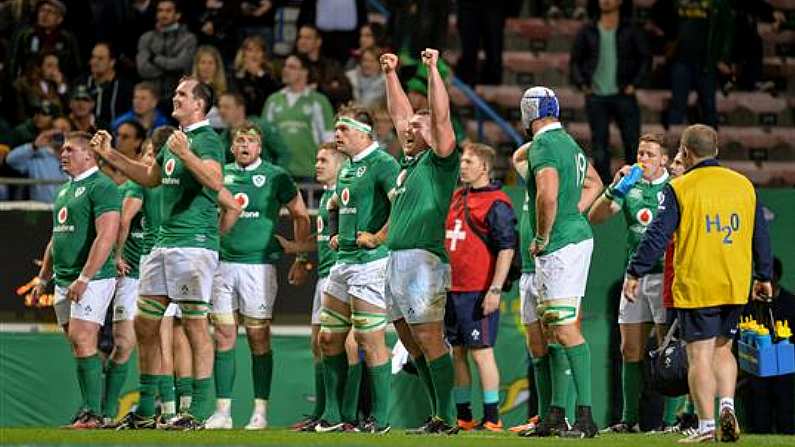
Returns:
(389, 62)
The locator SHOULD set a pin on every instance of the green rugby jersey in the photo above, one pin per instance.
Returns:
(326, 257)
(133, 247)
(421, 200)
(639, 207)
(554, 148)
(189, 211)
(77, 205)
(261, 189)
(363, 186)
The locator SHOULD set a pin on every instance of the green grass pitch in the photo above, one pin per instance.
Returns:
(282, 437)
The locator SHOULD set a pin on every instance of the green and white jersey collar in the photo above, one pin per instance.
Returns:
(195, 126)
(367, 151)
(86, 174)
(250, 167)
(661, 179)
(548, 127)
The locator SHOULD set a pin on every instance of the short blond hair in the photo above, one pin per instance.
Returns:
(484, 152)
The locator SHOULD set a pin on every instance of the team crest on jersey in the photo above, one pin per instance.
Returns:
(635, 193)
(63, 214)
(644, 216)
(319, 225)
(401, 178)
(170, 165)
(242, 199)
(307, 109)
(345, 196)
(79, 191)
(361, 170)
(258, 180)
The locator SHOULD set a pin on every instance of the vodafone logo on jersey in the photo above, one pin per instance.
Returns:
(63, 214)
(319, 224)
(169, 167)
(241, 199)
(644, 216)
(345, 196)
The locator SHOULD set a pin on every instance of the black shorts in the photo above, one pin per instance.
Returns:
(465, 324)
(709, 322)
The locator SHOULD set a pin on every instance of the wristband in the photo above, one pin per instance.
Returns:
(83, 278)
(301, 257)
(541, 240)
(496, 290)
(609, 195)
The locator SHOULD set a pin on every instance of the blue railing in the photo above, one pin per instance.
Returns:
(481, 107)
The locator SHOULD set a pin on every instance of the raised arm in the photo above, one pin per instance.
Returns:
(442, 134)
(137, 171)
(397, 103)
(208, 172)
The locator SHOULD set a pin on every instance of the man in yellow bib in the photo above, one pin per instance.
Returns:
(719, 233)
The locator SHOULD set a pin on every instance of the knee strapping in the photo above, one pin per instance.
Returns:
(559, 312)
(331, 321)
(253, 323)
(227, 319)
(365, 322)
(151, 308)
(194, 310)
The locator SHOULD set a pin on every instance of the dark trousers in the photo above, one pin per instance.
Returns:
(771, 405)
(686, 77)
(625, 111)
(480, 21)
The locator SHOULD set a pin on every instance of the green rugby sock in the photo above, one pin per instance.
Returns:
(559, 375)
(350, 399)
(262, 374)
(580, 361)
(380, 379)
(543, 382)
(224, 372)
(115, 377)
(146, 401)
(89, 370)
(443, 379)
(320, 391)
(631, 384)
(335, 371)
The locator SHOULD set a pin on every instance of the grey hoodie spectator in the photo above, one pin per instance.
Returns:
(165, 54)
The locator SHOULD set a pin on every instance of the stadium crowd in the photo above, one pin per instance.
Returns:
(191, 98)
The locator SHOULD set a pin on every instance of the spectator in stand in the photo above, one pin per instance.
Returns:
(337, 22)
(371, 35)
(415, 25)
(303, 116)
(112, 93)
(40, 160)
(144, 109)
(135, 17)
(699, 35)
(81, 110)
(367, 80)
(254, 78)
(216, 25)
(480, 21)
(328, 74)
(609, 59)
(257, 19)
(232, 110)
(771, 408)
(165, 54)
(747, 53)
(40, 82)
(27, 131)
(385, 132)
(45, 35)
(208, 67)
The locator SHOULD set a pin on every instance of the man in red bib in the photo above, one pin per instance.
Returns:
(480, 241)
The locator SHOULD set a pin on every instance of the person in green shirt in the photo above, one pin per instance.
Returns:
(561, 246)
(637, 199)
(303, 116)
(329, 162)
(79, 258)
(418, 273)
(232, 109)
(182, 264)
(245, 286)
(354, 293)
